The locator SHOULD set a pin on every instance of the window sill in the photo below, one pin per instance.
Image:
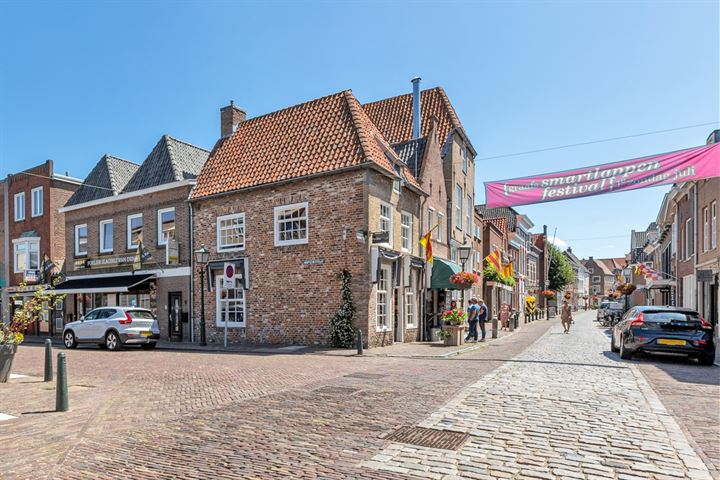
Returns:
(231, 249)
(290, 244)
(36, 216)
(230, 325)
(105, 252)
(19, 219)
(411, 327)
(80, 255)
(383, 329)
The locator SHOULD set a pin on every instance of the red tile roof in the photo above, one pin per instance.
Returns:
(500, 223)
(318, 136)
(394, 116)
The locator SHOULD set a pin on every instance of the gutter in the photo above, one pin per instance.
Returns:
(123, 196)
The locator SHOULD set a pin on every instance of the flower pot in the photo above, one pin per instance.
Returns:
(7, 354)
(456, 335)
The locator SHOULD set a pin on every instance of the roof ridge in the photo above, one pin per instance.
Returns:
(186, 143)
(120, 158)
(359, 130)
(171, 154)
(297, 105)
(450, 109)
(402, 95)
(113, 183)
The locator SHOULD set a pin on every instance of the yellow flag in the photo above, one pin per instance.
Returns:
(426, 242)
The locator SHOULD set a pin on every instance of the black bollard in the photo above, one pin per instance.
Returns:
(61, 387)
(359, 342)
(48, 360)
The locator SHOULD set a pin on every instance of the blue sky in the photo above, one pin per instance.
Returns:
(80, 79)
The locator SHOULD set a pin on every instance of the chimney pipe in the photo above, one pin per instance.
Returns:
(231, 117)
(416, 107)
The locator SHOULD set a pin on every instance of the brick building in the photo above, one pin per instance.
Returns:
(33, 234)
(119, 206)
(430, 130)
(294, 197)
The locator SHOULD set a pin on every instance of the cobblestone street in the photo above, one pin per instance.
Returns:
(535, 404)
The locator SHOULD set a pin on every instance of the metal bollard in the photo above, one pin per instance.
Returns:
(359, 342)
(48, 360)
(61, 387)
(494, 328)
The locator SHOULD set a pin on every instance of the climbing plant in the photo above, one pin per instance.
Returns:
(342, 331)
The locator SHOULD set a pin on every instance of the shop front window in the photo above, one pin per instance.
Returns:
(230, 304)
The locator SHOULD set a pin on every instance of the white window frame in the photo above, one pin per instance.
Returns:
(431, 221)
(389, 219)
(161, 240)
(219, 229)
(458, 206)
(299, 241)
(78, 253)
(439, 230)
(219, 317)
(596, 279)
(128, 226)
(382, 323)
(706, 229)
(468, 216)
(463, 153)
(406, 231)
(25, 241)
(713, 224)
(410, 309)
(101, 236)
(36, 207)
(19, 212)
(689, 238)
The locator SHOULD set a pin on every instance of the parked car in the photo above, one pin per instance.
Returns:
(611, 313)
(654, 329)
(113, 327)
(601, 309)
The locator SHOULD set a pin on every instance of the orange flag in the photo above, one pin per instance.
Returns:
(426, 242)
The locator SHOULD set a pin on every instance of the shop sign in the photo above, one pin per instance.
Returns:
(31, 276)
(111, 261)
(381, 237)
(705, 276)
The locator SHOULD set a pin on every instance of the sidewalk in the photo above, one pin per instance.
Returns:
(403, 350)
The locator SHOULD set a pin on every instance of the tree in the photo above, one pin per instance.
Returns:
(561, 273)
(342, 332)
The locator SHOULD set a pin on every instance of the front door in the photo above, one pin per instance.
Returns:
(175, 315)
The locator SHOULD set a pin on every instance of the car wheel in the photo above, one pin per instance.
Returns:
(613, 346)
(707, 359)
(149, 346)
(69, 340)
(625, 354)
(112, 341)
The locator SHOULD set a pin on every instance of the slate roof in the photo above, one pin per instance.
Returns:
(509, 213)
(319, 136)
(108, 177)
(394, 116)
(412, 153)
(171, 160)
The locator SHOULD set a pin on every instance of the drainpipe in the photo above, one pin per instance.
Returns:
(695, 246)
(191, 310)
(5, 313)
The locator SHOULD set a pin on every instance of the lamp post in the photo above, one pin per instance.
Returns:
(202, 257)
(463, 254)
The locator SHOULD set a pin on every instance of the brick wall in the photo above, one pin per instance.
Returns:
(288, 300)
(708, 191)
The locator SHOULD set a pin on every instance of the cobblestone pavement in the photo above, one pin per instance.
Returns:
(565, 409)
(560, 408)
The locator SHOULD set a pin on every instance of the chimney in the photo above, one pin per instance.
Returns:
(416, 107)
(230, 117)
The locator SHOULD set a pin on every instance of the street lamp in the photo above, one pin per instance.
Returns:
(202, 257)
(463, 254)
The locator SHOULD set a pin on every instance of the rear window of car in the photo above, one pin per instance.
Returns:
(140, 315)
(689, 317)
(604, 304)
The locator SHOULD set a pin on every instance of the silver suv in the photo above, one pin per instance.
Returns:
(113, 327)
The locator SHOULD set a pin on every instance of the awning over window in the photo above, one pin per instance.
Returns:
(441, 271)
(119, 283)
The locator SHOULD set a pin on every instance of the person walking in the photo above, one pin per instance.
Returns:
(472, 312)
(566, 316)
(482, 317)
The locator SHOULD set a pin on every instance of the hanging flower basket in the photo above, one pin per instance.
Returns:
(464, 279)
(548, 293)
(568, 295)
(627, 288)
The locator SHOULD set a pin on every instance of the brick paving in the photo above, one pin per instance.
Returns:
(137, 414)
(563, 408)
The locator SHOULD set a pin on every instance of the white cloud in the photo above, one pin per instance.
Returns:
(558, 242)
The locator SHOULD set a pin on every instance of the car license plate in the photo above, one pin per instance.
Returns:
(149, 334)
(670, 341)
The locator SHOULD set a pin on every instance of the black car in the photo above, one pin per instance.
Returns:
(656, 329)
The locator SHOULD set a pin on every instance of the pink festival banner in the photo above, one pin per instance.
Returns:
(683, 165)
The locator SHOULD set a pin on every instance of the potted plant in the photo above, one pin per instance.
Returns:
(12, 333)
(454, 321)
(627, 288)
(464, 279)
(548, 294)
